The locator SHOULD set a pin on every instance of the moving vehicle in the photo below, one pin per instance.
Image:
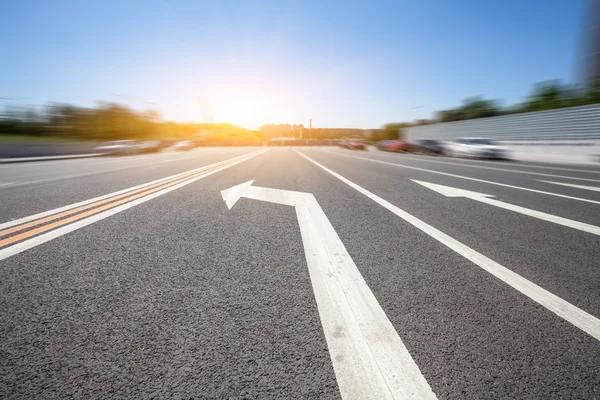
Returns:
(183, 145)
(119, 148)
(476, 148)
(426, 146)
(149, 146)
(357, 145)
(393, 145)
(352, 145)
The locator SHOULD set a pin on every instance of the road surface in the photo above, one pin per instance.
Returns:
(316, 273)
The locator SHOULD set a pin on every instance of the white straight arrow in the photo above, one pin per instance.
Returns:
(369, 358)
(485, 198)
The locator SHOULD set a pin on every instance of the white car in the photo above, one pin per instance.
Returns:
(149, 146)
(183, 145)
(119, 147)
(475, 148)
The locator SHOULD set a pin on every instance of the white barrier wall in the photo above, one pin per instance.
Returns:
(566, 134)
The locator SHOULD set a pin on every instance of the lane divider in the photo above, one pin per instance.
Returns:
(125, 195)
(123, 199)
(95, 209)
(462, 177)
(562, 308)
(106, 196)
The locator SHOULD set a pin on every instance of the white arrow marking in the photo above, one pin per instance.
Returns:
(369, 359)
(485, 198)
(581, 319)
(463, 177)
(594, 188)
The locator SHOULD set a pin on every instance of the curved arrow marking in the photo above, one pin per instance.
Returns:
(369, 359)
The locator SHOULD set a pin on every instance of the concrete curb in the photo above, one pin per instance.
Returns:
(46, 158)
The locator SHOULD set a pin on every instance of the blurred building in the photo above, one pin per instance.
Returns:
(271, 131)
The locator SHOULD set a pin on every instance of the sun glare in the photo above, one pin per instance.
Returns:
(246, 108)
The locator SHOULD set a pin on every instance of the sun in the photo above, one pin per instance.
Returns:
(249, 108)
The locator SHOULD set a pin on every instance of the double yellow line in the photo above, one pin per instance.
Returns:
(53, 221)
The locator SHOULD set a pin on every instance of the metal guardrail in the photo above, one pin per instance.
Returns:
(572, 124)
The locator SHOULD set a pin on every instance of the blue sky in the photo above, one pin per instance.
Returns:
(341, 63)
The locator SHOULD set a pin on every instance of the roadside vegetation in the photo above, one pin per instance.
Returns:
(112, 121)
(544, 96)
(108, 121)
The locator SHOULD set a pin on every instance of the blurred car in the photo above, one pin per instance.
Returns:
(382, 144)
(149, 146)
(352, 145)
(183, 145)
(476, 148)
(356, 145)
(119, 148)
(393, 145)
(426, 146)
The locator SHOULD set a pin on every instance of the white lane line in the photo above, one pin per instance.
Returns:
(368, 356)
(85, 202)
(60, 178)
(37, 240)
(576, 316)
(129, 167)
(485, 198)
(493, 168)
(7, 183)
(524, 165)
(594, 188)
(104, 160)
(186, 158)
(466, 177)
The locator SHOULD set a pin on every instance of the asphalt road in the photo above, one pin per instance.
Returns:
(143, 277)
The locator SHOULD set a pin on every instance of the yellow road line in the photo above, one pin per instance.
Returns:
(53, 217)
(130, 197)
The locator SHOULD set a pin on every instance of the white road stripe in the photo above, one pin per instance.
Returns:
(594, 188)
(522, 164)
(128, 167)
(467, 177)
(85, 202)
(485, 198)
(37, 240)
(105, 160)
(581, 319)
(429, 160)
(59, 178)
(368, 356)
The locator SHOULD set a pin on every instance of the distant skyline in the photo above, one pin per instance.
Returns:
(341, 64)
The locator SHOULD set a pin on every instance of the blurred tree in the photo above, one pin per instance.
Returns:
(391, 131)
(472, 107)
(592, 92)
(545, 96)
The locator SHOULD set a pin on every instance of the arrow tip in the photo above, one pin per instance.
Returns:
(233, 194)
(450, 191)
